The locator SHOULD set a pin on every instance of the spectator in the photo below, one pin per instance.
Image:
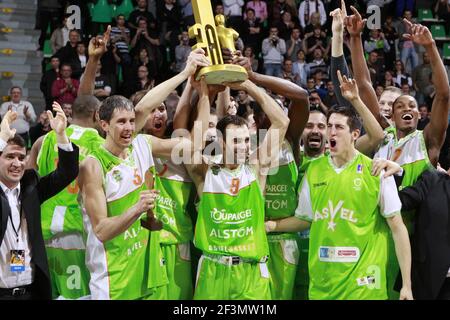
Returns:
(404, 5)
(25, 113)
(308, 7)
(319, 85)
(314, 41)
(278, 8)
(379, 90)
(60, 36)
(421, 77)
(294, 44)
(79, 64)
(441, 9)
(64, 89)
(233, 10)
(143, 39)
(143, 82)
(139, 13)
(390, 34)
(245, 103)
(376, 68)
(48, 14)
(287, 71)
(143, 60)
(407, 48)
(330, 98)
(310, 86)
(314, 22)
(406, 89)
(170, 17)
(424, 117)
(218, 9)
(251, 31)
(47, 81)
(249, 53)
(389, 80)
(400, 75)
(67, 109)
(316, 103)
(68, 53)
(41, 128)
(300, 68)
(187, 13)
(273, 49)
(259, 8)
(378, 43)
(103, 87)
(318, 63)
(182, 52)
(286, 25)
(120, 36)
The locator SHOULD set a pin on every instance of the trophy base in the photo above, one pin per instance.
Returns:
(221, 73)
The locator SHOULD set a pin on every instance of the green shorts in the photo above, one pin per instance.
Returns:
(177, 259)
(302, 277)
(68, 273)
(282, 265)
(219, 279)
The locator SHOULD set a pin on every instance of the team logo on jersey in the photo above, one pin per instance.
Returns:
(234, 189)
(117, 176)
(338, 254)
(359, 168)
(221, 216)
(331, 211)
(357, 183)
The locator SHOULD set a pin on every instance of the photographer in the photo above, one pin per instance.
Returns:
(273, 49)
(316, 103)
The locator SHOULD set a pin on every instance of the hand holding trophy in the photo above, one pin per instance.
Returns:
(212, 35)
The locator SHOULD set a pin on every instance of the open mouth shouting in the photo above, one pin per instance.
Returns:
(407, 117)
(332, 143)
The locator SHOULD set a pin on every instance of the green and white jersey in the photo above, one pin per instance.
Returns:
(348, 249)
(61, 214)
(231, 214)
(281, 196)
(176, 192)
(120, 268)
(411, 154)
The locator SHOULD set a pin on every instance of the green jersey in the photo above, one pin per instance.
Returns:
(176, 192)
(231, 214)
(128, 266)
(411, 154)
(61, 213)
(281, 196)
(348, 250)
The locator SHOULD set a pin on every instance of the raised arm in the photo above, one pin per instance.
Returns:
(97, 47)
(434, 132)
(268, 150)
(184, 107)
(338, 61)
(299, 109)
(222, 103)
(158, 94)
(369, 142)
(355, 25)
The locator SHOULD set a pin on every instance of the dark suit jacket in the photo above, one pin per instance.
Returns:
(430, 243)
(33, 192)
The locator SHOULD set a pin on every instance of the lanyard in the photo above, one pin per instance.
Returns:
(20, 223)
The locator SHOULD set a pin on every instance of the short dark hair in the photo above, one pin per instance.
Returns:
(17, 140)
(85, 106)
(15, 87)
(110, 104)
(250, 9)
(403, 95)
(67, 65)
(136, 97)
(227, 120)
(353, 120)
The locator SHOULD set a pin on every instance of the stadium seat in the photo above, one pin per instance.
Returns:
(425, 14)
(438, 31)
(125, 8)
(102, 12)
(446, 51)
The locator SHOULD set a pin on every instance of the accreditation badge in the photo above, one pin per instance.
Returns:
(17, 262)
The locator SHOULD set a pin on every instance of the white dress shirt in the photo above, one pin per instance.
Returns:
(11, 241)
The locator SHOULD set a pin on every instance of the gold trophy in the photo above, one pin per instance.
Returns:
(212, 35)
(150, 222)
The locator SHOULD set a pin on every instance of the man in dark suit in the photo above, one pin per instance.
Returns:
(430, 242)
(24, 271)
